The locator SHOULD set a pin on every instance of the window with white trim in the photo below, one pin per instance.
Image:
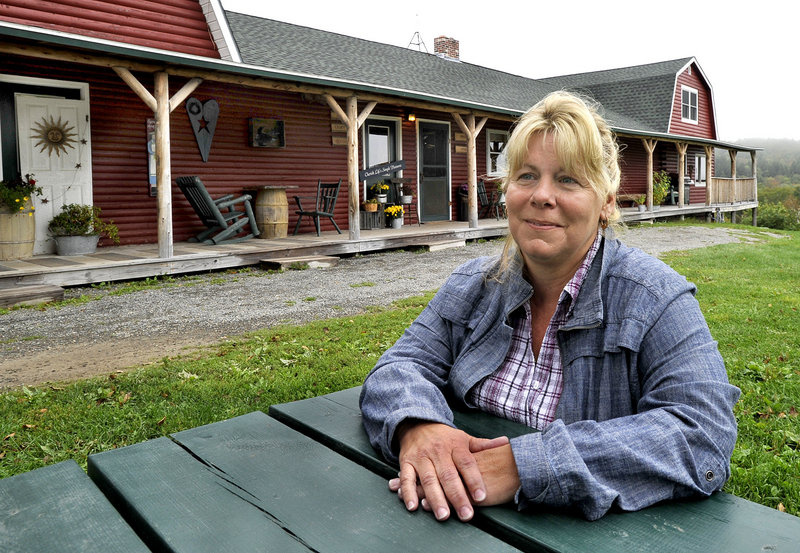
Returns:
(700, 170)
(688, 104)
(495, 143)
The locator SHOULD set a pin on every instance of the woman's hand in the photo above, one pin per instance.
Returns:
(439, 467)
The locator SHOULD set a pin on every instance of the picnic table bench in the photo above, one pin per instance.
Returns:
(304, 478)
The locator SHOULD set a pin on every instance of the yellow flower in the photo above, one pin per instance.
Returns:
(25, 199)
(16, 200)
(30, 214)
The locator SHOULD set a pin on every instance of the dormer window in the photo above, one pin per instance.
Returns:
(688, 105)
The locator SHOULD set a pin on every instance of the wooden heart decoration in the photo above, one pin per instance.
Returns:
(203, 117)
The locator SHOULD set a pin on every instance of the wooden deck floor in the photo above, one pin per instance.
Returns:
(142, 261)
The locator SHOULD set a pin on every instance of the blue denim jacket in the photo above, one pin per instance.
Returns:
(646, 412)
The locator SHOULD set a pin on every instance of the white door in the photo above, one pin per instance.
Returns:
(54, 144)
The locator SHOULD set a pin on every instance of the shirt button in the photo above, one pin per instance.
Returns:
(710, 475)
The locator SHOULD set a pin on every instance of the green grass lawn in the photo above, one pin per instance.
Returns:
(748, 292)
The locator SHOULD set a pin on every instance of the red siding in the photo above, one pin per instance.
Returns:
(176, 25)
(705, 127)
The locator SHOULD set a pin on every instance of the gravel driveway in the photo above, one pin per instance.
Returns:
(118, 332)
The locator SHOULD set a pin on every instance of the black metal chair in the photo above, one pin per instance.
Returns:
(223, 223)
(489, 203)
(324, 204)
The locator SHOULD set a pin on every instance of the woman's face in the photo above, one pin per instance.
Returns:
(553, 216)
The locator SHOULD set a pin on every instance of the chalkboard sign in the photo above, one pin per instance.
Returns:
(382, 169)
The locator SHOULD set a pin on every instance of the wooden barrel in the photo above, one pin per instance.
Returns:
(17, 233)
(272, 212)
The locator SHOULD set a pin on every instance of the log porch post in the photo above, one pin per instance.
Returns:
(353, 121)
(755, 187)
(650, 146)
(162, 105)
(681, 147)
(709, 181)
(472, 131)
(732, 155)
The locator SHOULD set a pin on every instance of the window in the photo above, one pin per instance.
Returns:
(700, 170)
(688, 104)
(495, 143)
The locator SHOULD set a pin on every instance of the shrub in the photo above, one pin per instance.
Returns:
(778, 216)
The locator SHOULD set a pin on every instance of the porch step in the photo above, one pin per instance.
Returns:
(304, 262)
(444, 244)
(30, 295)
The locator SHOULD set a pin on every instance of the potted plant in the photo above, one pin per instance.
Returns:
(394, 214)
(78, 228)
(371, 205)
(408, 195)
(661, 183)
(380, 190)
(640, 202)
(17, 223)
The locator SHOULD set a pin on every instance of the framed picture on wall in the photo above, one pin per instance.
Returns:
(267, 133)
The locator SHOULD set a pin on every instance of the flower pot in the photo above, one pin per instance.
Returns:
(382, 198)
(642, 208)
(370, 207)
(17, 232)
(397, 223)
(406, 199)
(77, 245)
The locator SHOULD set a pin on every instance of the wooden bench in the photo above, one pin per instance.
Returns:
(722, 522)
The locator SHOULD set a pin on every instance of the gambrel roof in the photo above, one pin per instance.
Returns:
(643, 93)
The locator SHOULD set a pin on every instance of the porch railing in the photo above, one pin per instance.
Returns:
(728, 190)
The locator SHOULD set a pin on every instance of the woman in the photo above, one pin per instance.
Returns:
(600, 347)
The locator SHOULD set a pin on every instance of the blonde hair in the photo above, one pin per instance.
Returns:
(584, 144)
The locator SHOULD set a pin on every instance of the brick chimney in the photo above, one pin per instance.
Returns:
(445, 46)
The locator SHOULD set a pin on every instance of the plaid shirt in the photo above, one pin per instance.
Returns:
(525, 389)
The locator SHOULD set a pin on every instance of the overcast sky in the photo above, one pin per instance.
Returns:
(751, 55)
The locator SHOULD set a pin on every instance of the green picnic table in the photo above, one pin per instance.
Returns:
(304, 478)
(58, 509)
(722, 522)
(252, 483)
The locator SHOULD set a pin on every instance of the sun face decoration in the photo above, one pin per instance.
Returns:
(53, 135)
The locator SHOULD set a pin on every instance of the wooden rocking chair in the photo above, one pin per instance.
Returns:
(489, 203)
(224, 223)
(325, 201)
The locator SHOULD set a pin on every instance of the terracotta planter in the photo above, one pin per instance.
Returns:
(371, 207)
(77, 245)
(17, 232)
